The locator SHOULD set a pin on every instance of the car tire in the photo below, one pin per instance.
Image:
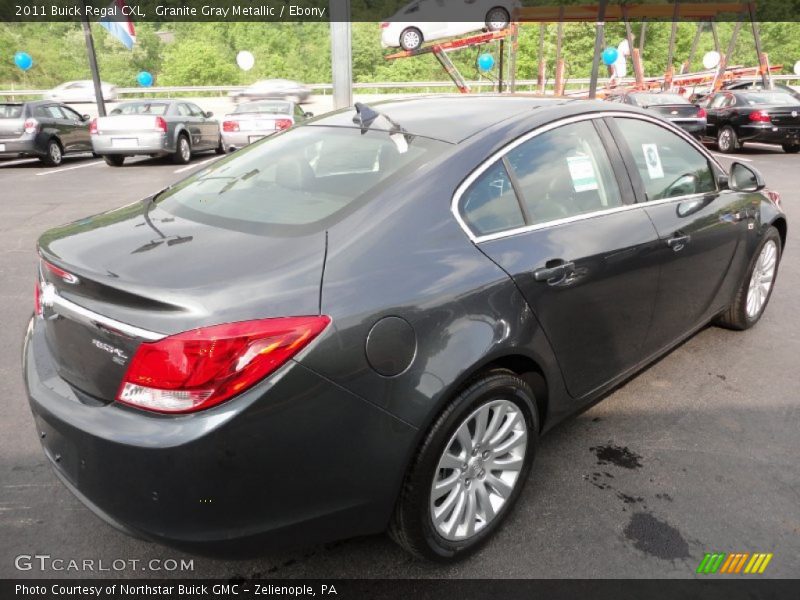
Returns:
(791, 148)
(752, 297)
(412, 525)
(411, 39)
(497, 18)
(220, 149)
(54, 154)
(114, 160)
(727, 140)
(183, 150)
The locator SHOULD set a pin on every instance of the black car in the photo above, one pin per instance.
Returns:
(44, 129)
(673, 107)
(365, 322)
(766, 116)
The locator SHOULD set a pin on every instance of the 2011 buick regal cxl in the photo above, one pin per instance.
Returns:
(366, 322)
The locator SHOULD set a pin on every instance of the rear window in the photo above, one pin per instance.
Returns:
(11, 111)
(298, 181)
(141, 108)
(282, 108)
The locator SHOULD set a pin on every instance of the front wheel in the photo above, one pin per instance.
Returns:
(220, 149)
(727, 140)
(54, 155)
(470, 469)
(791, 148)
(411, 39)
(497, 19)
(752, 297)
(183, 152)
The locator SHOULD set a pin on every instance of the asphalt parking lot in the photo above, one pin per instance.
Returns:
(698, 453)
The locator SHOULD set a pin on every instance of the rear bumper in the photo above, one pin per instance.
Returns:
(240, 139)
(24, 146)
(769, 134)
(695, 126)
(294, 460)
(131, 144)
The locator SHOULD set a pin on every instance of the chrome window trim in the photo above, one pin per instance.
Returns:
(481, 168)
(67, 308)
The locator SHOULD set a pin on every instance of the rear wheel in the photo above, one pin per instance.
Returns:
(470, 469)
(183, 151)
(54, 155)
(791, 148)
(114, 160)
(727, 140)
(752, 297)
(411, 39)
(497, 18)
(220, 149)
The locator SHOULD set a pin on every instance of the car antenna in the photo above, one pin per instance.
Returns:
(366, 115)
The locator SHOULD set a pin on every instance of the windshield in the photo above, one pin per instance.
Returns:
(140, 108)
(281, 108)
(656, 99)
(298, 181)
(10, 111)
(782, 98)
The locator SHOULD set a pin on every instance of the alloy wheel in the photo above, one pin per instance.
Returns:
(478, 470)
(55, 153)
(761, 279)
(411, 39)
(186, 151)
(725, 140)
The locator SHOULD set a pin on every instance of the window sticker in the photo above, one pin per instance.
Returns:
(653, 160)
(582, 173)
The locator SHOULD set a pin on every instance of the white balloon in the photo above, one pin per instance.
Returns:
(711, 59)
(797, 68)
(245, 60)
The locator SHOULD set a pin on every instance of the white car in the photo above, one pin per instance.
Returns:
(80, 91)
(426, 20)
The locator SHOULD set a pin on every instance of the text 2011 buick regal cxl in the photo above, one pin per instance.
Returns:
(366, 322)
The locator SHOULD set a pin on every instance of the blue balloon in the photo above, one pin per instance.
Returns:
(23, 60)
(610, 56)
(485, 62)
(144, 79)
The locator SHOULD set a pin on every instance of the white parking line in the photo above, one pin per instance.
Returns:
(200, 164)
(91, 164)
(21, 161)
(732, 157)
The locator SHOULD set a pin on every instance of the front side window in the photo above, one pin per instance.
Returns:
(490, 205)
(564, 172)
(668, 165)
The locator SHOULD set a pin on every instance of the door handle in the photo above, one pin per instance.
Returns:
(554, 273)
(678, 242)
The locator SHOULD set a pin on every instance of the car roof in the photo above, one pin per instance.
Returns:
(449, 118)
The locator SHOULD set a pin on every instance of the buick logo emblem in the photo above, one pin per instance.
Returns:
(794, 113)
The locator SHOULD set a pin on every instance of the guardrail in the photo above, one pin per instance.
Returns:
(326, 88)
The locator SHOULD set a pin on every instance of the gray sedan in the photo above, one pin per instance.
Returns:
(44, 129)
(155, 128)
(253, 121)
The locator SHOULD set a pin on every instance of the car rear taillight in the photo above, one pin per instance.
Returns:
(93, 127)
(230, 126)
(701, 112)
(66, 276)
(384, 25)
(759, 116)
(283, 123)
(161, 125)
(198, 369)
(31, 126)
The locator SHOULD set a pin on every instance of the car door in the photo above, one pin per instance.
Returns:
(557, 213)
(700, 225)
(79, 136)
(192, 125)
(208, 126)
(60, 125)
(716, 112)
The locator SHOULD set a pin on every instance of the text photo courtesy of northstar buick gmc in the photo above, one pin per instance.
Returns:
(373, 316)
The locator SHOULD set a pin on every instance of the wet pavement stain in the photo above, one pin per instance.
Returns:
(655, 537)
(616, 455)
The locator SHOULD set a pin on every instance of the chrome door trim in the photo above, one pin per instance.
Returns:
(481, 168)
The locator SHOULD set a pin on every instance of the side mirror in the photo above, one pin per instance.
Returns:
(209, 114)
(742, 178)
(308, 115)
(86, 117)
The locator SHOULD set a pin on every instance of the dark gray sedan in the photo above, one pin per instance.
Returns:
(177, 128)
(366, 321)
(45, 129)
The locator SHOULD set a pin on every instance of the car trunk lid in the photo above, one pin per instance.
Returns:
(784, 116)
(128, 124)
(675, 111)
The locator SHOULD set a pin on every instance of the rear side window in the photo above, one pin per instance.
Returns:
(490, 205)
(11, 111)
(297, 181)
(668, 165)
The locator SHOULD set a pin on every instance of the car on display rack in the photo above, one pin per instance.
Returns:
(43, 129)
(429, 20)
(81, 92)
(275, 89)
(765, 116)
(253, 121)
(177, 128)
(672, 107)
(372, 317)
